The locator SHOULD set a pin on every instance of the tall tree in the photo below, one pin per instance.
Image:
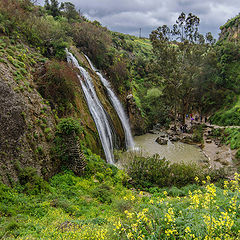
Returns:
(70, 11)
(53, 7)
(178, 60)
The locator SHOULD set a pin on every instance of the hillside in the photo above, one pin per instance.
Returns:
(39, 89)
(56, 180)
(230, 31)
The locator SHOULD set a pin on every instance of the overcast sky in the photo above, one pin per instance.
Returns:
(128, 16)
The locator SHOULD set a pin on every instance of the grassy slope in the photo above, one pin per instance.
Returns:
(228, 116)
(100, 207)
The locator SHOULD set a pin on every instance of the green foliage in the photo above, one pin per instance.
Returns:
(57, 86)
(155, 107)
(232, 137)
(198, 133)
(83, 208)
(119, 73)
(152, 171)
(68, 126)
(229, 136)
(31, 182)
(231, 22)
(228, 117)
(103, 193)
(53, 7)
(94, 41)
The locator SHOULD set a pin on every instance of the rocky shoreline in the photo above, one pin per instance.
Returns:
(218, 156)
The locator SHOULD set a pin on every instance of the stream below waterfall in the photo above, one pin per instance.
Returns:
(174, 152)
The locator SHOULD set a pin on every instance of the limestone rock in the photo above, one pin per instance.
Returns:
(161, 141)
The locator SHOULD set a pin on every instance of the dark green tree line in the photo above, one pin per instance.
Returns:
(179, 53)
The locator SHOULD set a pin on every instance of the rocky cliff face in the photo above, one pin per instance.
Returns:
(27, 127)
(27, 121)
(137, 122)
(231, 30)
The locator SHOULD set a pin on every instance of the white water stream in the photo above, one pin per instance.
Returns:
(117, 106)
(96, 109)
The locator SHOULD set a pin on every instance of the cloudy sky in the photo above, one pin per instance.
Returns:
(128, 16)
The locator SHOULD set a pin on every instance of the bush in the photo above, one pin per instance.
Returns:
(56, 84)
(31, 182)
(148, 172)
(198, 134)
(103, 193)
(94, 41)
(68, 126)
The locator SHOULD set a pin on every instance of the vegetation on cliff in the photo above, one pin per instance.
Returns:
(51, 131)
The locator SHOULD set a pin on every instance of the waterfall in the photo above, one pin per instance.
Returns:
(96, 109)
(118, 108)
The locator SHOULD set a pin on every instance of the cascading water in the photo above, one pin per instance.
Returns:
(96, 109)
(118, 108)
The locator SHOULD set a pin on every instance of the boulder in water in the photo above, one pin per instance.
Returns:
(163, 135)
(174, 138)
(161, 141)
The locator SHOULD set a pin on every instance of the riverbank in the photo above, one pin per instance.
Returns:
(217, 155)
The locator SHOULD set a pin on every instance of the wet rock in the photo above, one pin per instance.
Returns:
(161, 141)
(187, 139)
(174, 138)
(152, 131)
(162, 135)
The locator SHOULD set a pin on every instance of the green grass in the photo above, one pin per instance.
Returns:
(232, 137)
(228, 117)
(98, 206)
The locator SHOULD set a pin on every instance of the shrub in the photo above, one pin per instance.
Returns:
(92, 40)
(103, 193)
(31, 182)
(148, 172)
(68, 126)
(56, 84)
(198, 134)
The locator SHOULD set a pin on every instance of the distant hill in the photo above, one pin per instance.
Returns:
(231, 30)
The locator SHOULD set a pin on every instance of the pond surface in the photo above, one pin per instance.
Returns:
(173, 152)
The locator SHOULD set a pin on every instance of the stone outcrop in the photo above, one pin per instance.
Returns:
(26, 128)
(231, 30)
(77, 161)
(161, 141)
(137, 122)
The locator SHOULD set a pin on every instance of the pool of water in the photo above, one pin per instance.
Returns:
(174, 151)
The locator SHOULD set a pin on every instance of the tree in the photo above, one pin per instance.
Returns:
(178, 60)
(53, 8)
(70, 11)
